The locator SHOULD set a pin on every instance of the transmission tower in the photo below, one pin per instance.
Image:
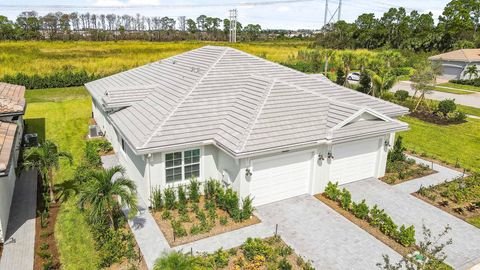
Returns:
(329, 15)
(181, 23)
(233, 25)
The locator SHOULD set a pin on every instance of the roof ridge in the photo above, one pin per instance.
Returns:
(185, 97)
(464, 54)
(258, 111)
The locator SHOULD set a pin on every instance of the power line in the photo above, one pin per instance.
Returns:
(259, 3)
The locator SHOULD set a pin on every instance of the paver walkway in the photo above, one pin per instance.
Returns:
(322, 235)
(19, 247)
(406, 209)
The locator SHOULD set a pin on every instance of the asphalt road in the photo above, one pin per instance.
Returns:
(472, 100)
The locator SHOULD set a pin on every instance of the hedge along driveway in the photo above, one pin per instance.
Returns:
(62, 115)
(445, 143)
(405, 208)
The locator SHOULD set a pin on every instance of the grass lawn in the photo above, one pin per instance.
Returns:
(445, 143)
(452, 91)
(460, 86)
(474, 221)
(469, 110)
(62, 115)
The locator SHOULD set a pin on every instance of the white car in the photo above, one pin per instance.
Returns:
(353, 76)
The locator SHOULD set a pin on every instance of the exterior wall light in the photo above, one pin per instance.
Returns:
(386, 143)
(330, 155)
(320, 158)
(248, 172)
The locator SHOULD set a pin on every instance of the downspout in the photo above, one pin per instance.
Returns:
(149, 157)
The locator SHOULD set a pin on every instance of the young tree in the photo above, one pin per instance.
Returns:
(423, 79)
(340, 77)
(365, 84)
(102, 190)
(45, 159)
(471, 71)
(430, 255)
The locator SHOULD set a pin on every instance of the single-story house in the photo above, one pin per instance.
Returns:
(12, 109)
(454, 63)
(266, 130)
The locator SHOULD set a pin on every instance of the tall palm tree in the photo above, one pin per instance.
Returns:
(45, 158)
(348, 59)
(382, 80)
(471, 71)
(101, 192)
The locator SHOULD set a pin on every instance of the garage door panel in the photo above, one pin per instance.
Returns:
(354, 161)
(280, 178)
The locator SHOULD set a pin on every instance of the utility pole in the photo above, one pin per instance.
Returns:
(233, 25)
(329, 16)
(181, 23)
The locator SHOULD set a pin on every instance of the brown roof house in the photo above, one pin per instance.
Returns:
(12, 108)
(454, 63)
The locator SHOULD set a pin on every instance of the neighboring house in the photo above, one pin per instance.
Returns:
(12, 108)
(266, 130)
(454, 63)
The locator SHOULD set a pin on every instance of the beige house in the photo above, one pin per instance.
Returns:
(12, 109)
(454, 63)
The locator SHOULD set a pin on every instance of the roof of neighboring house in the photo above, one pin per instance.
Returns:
(463, 55)
(243, 103)
(12, 99)
(7, 138)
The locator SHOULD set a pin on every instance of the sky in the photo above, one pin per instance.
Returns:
(285, 14)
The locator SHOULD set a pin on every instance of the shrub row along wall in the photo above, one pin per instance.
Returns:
(60, 78)
(473, 82)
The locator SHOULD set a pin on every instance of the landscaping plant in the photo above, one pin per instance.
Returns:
(170, 199)
(156, 199)
(332, 192)
(194, 190)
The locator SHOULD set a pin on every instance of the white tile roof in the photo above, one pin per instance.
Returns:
(242, 102)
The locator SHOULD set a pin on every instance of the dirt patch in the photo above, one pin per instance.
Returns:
(46, 252)
(217, 228)
(375, 232)
(435, 119)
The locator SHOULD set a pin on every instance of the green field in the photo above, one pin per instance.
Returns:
(62, 115)
(451, 90)
(445, 143)
(42, 57)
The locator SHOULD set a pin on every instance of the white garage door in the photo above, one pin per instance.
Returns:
(279, 178)
(354, 161)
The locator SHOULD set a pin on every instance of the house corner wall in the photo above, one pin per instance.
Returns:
(7, 185)
(321, 170)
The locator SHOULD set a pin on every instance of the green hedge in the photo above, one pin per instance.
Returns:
(474, 82)
(60, 78)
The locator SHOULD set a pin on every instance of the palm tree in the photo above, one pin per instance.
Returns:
(101, 192)
(348, 59)
(382, 80)
(45, 158)
(471, 71)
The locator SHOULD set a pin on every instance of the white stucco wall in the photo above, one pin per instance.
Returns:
(7, 185)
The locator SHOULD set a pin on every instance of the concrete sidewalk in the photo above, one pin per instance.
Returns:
(19, 247)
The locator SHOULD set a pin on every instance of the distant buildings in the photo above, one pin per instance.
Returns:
(454, 63)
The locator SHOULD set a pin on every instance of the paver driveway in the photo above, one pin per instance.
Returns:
(407, 209)
(322, 235)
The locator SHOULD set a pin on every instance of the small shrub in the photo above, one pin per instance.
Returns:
(166, 215)
(182, 196)
(376, 216)
(458, 116)
(285, 251)
(196, 229)
(185, 218)
(210, 188)
(406, 236)
(178, 229)
(91, 156)
(45, 234)
(346, 199)
(396, 154)
(446, 106)
(254, 247)
(194, 190)
(44, 254)
(387, 226)
(48, 264)
(332, 192)
(170, 200)
(212, 214)
(247, 210)
(360, 210)
(401, 95)
(182, 209)
(44, 246)
(283, 264)
(231, 204)
(221, 258)
(156, 199)
(223, 221)
(43, 218)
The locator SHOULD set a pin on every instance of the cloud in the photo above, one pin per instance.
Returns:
(283, 9)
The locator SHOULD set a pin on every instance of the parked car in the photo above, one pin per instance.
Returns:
(353, 76)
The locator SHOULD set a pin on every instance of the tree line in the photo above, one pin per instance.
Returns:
(456, 28)
(86, 26)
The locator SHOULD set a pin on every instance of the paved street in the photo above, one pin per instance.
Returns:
(472, 100)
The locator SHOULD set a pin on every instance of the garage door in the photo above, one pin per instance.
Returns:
(354, 161)
(279, 178)
(451, 72)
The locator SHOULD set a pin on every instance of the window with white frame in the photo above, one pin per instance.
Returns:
(182, 165)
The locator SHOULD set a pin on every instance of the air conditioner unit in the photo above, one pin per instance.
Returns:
(30, 140)
(93, 131)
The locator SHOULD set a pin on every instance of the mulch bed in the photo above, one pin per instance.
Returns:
(375, 232)
(167, 230)
(436, 161)
(434, 119)
(45, 235)
(449, 208)
(392, 178)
